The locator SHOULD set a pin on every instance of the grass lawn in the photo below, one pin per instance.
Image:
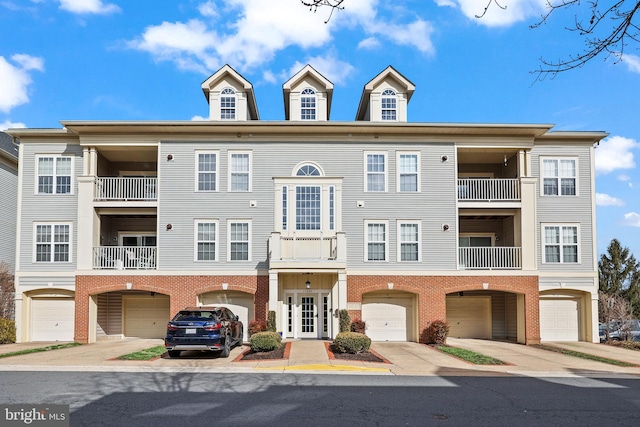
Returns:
(583, 355)
(470, 356)
(146, 354)
(41, 349)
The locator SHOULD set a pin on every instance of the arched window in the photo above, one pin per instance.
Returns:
(228, 104)
(388, 105)
(308, 170)
(308, 104)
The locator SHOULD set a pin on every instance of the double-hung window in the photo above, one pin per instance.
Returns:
(560, 243)
(52, 242)
(206, 240)
(227, 104)
(376, 178)
(308, 207)
(308, 104)
(376, 244)
(54, 174)
(408, 168)
(388, 103)
(559, 177)
(207, 171)
(240, 172)
(239, 234)
(408, 241)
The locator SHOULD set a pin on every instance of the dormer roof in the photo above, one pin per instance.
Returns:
(388, 73)
(227, 72)
(307, 73)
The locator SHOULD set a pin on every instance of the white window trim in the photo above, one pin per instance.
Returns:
(395, 109)
(543, 226)
(315, 103)
(293, 207)
(491, 235)
(195, 239)
(54, 193)
(235, 107)
(400, 242)
(250, 172)
(197, 170)
(229, 241)
(386, 171)
(35, 242)
(542, 176)
(366, 240)
(414, 153)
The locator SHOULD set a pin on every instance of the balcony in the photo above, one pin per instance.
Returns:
(125, 189)
(490, 258)
(311, 251)
(124, 258)
(488, 190)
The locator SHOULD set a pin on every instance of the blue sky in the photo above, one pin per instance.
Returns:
(145, 60)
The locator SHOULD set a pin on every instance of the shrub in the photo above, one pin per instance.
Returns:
(359, 326)
(265, 341)
(351, 342)
(256, 326)
(345, 320)
(271, 321)
(437, 332)
(7, 331)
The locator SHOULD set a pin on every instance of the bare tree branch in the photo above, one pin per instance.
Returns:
(313, 5)
(484, 12)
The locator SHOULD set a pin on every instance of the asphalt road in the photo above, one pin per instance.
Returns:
(179, 399)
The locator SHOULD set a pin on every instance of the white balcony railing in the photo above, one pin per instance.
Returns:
(316, 248)
(490, 258)
(125, 189)
(503, 189)
(124, 258)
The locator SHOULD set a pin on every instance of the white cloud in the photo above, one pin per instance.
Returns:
(632, 219)
(607, 200)
(369, 43)
(633, 62)
(88, 6)
(248, 33)
(624, 177)
(615, 153)
(329, 66)
(513, 10)
(16, 79)
(198, 119)
(269, 77)
(11, 125)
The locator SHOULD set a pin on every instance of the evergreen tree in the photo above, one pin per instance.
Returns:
(618, 270)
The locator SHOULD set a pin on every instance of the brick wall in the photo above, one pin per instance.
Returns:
(183, 291)
(431, 293)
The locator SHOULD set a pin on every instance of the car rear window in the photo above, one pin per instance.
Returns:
(195, 315)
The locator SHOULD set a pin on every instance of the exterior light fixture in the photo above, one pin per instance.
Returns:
(505, 160)
(307, 284)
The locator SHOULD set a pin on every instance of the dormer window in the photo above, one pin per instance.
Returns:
(228, 104)
(308, 104)
(388, 105)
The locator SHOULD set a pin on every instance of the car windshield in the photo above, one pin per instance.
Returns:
(194, 315)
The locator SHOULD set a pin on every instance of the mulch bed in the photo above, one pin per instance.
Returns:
(371, 356)
(281, 353)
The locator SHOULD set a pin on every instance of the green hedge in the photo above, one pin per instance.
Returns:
(345, 320)
(7, 331)
(351, 342)
(265, 341)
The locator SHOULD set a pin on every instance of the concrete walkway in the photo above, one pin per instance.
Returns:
(311, 356)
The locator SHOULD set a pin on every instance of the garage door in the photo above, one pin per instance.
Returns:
(388, 318)
(559, 320)
(146, 317)
(469, 317)
(240, 303)
(52, 319)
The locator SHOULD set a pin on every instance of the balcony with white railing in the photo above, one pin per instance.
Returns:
(490, 258)
(488, 190)
(124, 258)
(126, 189)
(308, 250)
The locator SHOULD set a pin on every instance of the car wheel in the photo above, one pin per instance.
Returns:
(174, 353)
(227, 347)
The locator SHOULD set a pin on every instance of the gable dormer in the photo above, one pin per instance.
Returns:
(307, 96)
(385, 97)
(230, 96)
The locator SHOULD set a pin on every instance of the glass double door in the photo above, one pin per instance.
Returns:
(308, 315)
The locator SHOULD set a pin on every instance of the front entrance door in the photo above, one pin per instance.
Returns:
(308, 316)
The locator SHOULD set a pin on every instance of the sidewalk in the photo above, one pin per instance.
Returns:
(310, 356)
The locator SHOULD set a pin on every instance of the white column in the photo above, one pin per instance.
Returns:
(85, 231)
(528, 223)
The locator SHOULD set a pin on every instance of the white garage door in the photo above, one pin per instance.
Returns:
(388, 318)
(52, 319)
(240, 303)
(146, 316)
(469, 317)
(559, 320)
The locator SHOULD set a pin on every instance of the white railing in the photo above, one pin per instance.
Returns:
(475, 189)
(124, 258)
(490, 258)
(117, 188)
(307, 248)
